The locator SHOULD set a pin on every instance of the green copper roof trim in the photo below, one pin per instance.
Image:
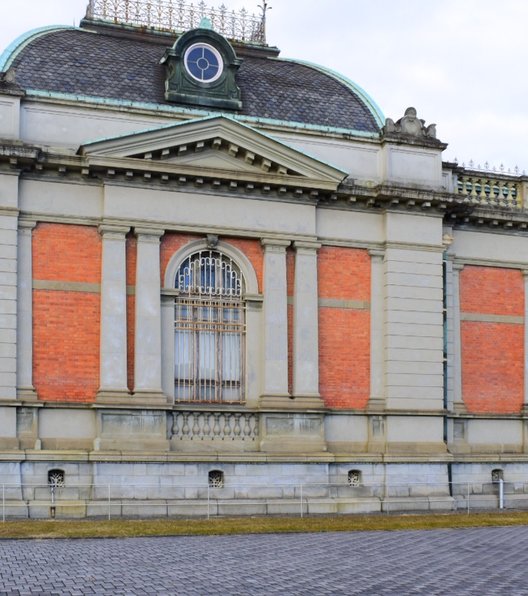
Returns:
(373, 107)
(15, 47)
(231, 117)
(155, 107)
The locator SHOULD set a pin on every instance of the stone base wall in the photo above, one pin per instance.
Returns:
(156, 489)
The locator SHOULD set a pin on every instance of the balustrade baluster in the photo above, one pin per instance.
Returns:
(237, 430)
(186, 429)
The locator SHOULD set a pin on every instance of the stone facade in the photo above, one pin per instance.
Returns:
(380, 357)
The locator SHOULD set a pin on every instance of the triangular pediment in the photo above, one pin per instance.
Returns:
(216, 147)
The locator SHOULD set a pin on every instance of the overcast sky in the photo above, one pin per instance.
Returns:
(461, 63)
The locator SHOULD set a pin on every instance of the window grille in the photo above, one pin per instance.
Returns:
(56, 478)
(216, 479)
(354, 478)
(210, 327)
(497, 475)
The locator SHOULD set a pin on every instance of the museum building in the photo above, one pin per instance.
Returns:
(226, 277)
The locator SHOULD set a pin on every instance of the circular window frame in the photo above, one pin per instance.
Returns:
(217, 55)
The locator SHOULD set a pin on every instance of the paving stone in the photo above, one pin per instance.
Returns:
(465, 562)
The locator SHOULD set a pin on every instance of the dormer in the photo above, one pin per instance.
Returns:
(201, 69)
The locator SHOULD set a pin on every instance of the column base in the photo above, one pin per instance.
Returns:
(113, 396)
(27, 394)
(150, 398)
(460, 408)
(376, 404)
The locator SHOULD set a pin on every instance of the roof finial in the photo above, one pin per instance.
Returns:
(264, 7)
(205, 23)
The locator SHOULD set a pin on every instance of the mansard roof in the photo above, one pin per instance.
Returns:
(113, 63)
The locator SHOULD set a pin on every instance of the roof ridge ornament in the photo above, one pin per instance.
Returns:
(179, 16)
(410, 128)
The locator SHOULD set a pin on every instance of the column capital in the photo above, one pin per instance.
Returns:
(525, 273)
(26, 226)
(306, 245)
(148, 234)
(113, 232)
(274, 244)
(457, 266)
(376, 253)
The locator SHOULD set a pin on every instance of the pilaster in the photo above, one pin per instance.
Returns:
(525, 404)
(113, 359)
(8, 284)
(25, 389)
(458, 399)
(414, 329)
(147, 347)
(306, 326)
(377, 364)
(275, 331)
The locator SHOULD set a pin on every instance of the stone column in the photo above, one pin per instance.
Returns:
(167, 343)
(147, 352)
(306, 326)
(25, 389)
(113, 363)
(525, 406)
(458, 401)
(275, 332)
(377, 362)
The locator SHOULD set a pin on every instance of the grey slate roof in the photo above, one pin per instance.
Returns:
(105, 65)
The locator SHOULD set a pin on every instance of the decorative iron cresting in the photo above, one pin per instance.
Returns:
(178, 15)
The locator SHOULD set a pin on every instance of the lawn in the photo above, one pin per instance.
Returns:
(252, 525)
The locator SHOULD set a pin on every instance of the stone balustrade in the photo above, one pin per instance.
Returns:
(490, 189)
(215, 426)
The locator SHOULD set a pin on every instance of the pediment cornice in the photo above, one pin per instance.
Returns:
(216, 147)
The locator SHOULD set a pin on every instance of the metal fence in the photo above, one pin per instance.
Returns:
(45, 501)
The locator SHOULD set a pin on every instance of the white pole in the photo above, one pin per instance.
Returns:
(501, 493)
(467, 498)
(109, 504)
(3, 502)
(208, 501)
(302, 508)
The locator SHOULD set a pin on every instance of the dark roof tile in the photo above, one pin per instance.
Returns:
(98, 64)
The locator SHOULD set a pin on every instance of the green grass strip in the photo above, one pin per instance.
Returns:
(129, 528)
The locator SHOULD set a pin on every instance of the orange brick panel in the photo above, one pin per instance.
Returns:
(63, 252)
(170, 244)
(254, 252)
(492, 367)
(290, 283)
(344, 357)
(131, 326)
(491, 290)
(66, 345)
(344, 273)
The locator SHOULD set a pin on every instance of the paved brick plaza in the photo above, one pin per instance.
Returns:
(473, 562)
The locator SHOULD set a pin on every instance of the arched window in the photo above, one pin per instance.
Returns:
(209, 327)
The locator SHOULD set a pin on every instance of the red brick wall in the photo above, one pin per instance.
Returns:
(344, 333)
(131, 257)
(65, 322)
(492, 352)
(290, 288)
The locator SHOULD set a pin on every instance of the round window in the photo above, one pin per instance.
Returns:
(203, 62)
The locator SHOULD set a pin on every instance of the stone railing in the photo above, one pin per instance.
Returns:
(180, 15)
(490, 189)
(215, 426)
